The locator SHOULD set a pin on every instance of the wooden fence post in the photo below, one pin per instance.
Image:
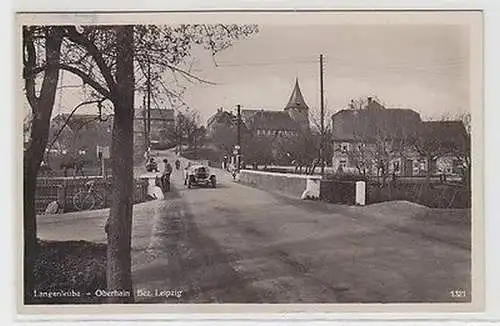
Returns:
(61, 196)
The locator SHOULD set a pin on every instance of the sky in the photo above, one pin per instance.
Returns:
(420, 67)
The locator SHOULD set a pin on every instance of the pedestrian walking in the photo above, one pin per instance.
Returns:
(186, 173)
(232, 169)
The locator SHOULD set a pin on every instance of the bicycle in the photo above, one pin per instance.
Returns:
(88, 198)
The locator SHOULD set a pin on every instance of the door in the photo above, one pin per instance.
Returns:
(408, 168)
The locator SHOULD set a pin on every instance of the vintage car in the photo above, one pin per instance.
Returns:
(200, 175)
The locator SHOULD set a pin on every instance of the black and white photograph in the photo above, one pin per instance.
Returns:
(251, 158)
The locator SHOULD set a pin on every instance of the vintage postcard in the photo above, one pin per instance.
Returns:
(250, 162)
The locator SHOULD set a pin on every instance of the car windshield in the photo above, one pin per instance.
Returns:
(201, 170)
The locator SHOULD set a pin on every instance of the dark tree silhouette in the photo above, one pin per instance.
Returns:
(111, 60)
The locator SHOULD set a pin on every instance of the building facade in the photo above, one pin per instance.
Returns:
(162, 126)
(80, 133)
(376, 140)
(291, 121)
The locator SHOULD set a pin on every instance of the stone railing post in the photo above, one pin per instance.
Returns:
(360, 193)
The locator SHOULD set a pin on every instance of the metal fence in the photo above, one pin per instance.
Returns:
(434, 194)
(51, 189)
(338, 191)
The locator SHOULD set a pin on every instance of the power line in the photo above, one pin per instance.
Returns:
(254, 64)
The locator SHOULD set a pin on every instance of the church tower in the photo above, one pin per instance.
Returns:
(297, 108)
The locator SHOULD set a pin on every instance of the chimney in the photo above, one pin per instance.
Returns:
(370, 99)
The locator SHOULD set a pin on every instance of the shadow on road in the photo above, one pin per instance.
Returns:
(181, 257)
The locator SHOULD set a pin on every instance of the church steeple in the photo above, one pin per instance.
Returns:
(296, 99)
(297, 108)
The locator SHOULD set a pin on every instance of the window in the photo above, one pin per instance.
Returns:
(396, 166)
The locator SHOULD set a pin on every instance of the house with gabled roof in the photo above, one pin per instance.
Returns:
(396, 140)
(80, 132)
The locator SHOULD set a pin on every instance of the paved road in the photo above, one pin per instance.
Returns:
(240, 244)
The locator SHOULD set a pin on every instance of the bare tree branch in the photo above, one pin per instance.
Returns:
(69, 118)
(191, 75)
(86, 78)
(96, 54)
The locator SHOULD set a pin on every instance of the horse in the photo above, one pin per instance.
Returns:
(76, 164)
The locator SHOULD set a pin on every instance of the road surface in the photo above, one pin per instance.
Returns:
(241, 244)
(238, 244)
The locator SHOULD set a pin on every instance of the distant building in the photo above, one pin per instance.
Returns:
(290, 122)
(220, 119)
(162, 125)
(363, 137)
(452, 138)
(81, 133)
(84, 132)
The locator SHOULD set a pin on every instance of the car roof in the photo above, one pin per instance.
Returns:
(199, 166)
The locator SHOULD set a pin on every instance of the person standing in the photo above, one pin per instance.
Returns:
(232, 170)
(186, 173)
(147, 154)
(224, 163)
(165, 175)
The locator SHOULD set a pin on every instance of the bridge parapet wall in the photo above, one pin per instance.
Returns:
(294, 185)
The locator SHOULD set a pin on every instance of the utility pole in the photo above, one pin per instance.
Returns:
(149, 105)
(238, 140)
(322, 106)
(145, 122)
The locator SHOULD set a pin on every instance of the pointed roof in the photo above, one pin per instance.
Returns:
(296, 99)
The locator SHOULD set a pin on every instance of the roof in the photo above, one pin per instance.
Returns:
(197, 166)
(296, 99)
(78, 121)
(220, 116)
(450, 134)
(247, 114)
(272, 120)
(372, 123)
(156, 114)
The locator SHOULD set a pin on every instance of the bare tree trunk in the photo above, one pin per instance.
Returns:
(42, 110)
(119, 276)
(429, 172)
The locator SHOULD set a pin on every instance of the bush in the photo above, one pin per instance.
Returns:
(76, 266)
